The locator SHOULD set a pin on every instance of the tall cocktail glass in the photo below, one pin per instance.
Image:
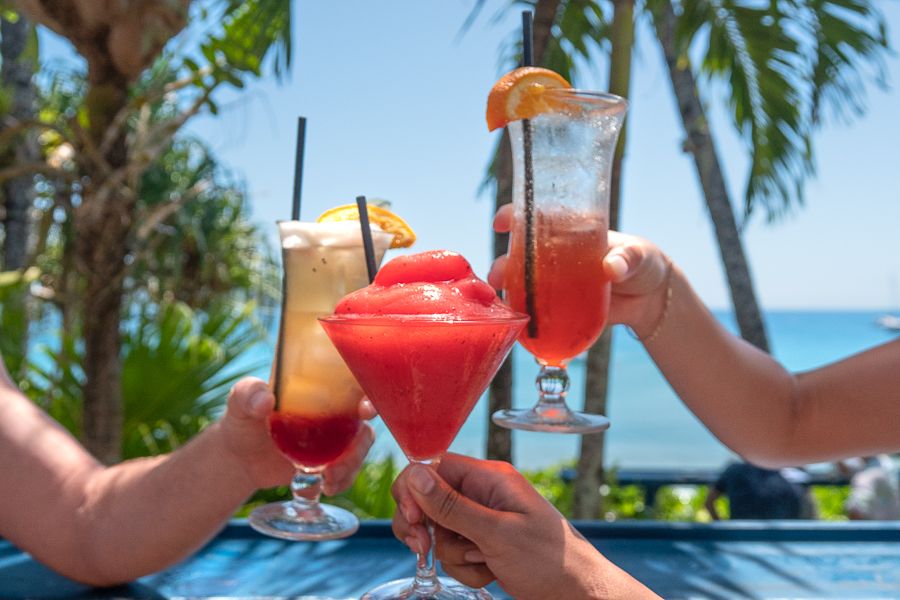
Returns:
(316, 414)
(561, 172)
(424, 374)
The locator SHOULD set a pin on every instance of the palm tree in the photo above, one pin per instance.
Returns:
(589, 470)
(115, 140)
(776, 94)
(782, 63)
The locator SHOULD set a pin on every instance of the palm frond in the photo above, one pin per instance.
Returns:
(177, 369)
(751, 48)
(782, 62)
(251, 30)
(846, 34)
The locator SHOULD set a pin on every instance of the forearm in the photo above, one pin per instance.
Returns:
(745, 398)
(603, 580)
(760, 410)
(143, 515)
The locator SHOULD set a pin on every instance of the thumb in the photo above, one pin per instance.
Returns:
(447, 507)
(622, 262)
(250, 399)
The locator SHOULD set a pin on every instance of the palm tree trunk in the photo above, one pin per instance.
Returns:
(499, 439)
(586, 502)
(103, 222)
(16, 74)
(16, 78)
(700, 143)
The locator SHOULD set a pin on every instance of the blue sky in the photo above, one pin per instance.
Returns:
(395, 101)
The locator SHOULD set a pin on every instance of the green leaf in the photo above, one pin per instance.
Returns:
(191, 64)
(252, 31)
(191, 357)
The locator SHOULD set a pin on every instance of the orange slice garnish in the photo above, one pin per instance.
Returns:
(388, 221)
(520, 95)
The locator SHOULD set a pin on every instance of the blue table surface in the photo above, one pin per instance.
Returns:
(749, 559)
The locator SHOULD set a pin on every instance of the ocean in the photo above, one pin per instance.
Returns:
(650, 426)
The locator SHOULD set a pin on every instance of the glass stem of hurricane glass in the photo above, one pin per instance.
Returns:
(306, 488)
(426, 582)
(553, 385)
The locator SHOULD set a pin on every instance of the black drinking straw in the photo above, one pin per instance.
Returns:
(530, 241)
(367, 237)
(527, 38)
(298, 167)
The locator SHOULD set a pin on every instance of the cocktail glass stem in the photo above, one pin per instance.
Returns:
(306, 488)
(303, 517)
(426, 583)
(553, 385)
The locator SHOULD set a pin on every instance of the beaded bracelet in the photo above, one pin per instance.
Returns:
(665, 310)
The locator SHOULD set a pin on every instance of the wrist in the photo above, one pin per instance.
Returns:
(233, 465)
(656, 306)
(592, 574)
(606, 581)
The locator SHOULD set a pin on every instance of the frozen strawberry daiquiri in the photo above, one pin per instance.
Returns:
(424, 341)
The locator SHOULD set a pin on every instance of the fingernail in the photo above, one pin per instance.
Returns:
(420, 479)
(258, 401)
(407, 513)
(413, 544)
(474, 556)
(618, 265)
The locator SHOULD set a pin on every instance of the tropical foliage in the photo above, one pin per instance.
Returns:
(370, 497)
(122, 120)
(782, 65)
(201, 276)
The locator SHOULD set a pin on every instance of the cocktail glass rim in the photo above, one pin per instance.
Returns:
(604, 101)
(420, 319)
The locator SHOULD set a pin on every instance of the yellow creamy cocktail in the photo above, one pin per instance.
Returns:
(316, 416)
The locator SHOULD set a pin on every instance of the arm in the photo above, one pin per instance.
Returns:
(712, 495)
(747, 399)
(104, 525)
(756, 407)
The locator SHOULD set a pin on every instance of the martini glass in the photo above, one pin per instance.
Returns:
(316, 414)
(561, 172)
(424, 374)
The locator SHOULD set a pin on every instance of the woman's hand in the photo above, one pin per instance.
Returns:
(637, 268)
(246, 436)
(491, 524)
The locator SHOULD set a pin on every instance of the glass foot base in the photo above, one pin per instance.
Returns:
(402, 589)
(551, 420)
(281, 520)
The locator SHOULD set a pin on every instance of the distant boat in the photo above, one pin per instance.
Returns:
(889, 322)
